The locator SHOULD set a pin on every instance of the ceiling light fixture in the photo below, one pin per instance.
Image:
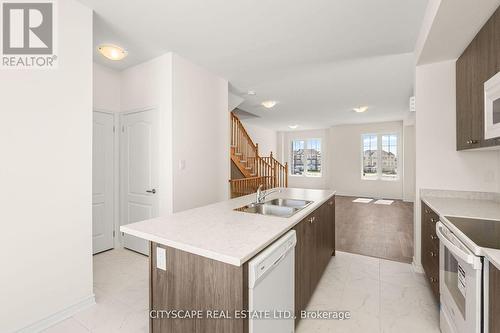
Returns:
(269, 104)
(361, 109)
(112, 52)
(293, 126)
(251, 93)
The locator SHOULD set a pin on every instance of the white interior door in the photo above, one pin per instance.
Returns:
(102, 182)
(139, 150)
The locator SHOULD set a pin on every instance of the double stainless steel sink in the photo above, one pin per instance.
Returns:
(276, 207)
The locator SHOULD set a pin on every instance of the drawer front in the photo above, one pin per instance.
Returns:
(430, 248)
(429, 220)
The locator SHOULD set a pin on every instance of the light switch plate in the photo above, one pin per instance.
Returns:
(161, 258)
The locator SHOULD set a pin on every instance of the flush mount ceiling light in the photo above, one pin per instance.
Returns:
(269, 104)
(112, 52)
(251, 93)
(293, 126)
(361, 109)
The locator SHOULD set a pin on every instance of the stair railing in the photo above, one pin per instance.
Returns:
(264, 170)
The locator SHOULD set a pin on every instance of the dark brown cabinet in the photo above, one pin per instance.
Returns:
(477, 64)
(494, 300)
(430, 248)
(314, 249)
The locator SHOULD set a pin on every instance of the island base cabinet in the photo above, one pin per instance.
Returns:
(192, 282)
(314, 249)
(494, 300)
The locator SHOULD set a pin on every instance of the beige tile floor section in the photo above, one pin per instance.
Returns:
(383, 296)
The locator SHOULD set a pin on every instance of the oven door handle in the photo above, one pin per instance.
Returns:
(467, 257)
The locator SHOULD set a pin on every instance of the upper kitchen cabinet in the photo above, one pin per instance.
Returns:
(478, 63)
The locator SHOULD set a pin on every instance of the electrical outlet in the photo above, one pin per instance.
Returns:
(161, 258)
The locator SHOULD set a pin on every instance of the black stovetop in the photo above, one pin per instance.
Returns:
(484, 233)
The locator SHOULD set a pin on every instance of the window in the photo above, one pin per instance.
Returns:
(306, 158)
(380, 156)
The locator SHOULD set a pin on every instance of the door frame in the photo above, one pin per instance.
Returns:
(116, 170)
(119, 188)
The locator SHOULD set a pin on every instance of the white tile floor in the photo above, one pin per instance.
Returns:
(382, 296)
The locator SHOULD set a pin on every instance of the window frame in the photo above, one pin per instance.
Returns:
(304, 174)
(380, 176)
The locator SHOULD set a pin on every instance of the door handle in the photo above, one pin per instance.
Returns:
(153, 191)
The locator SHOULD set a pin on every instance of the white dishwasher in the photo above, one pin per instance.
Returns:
(271, 287)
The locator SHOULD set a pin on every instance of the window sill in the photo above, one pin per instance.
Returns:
(305, 176)
(381, 179)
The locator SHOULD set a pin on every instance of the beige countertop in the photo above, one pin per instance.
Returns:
(218, 232)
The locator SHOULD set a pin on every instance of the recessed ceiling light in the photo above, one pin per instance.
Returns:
(293, 126)
(112, 52)
(251, 92)
(361, 109)
(269, 104)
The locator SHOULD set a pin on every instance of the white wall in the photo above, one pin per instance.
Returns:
(46, 180)
(409, 162)
(266, 138)
(194, 128)
(150, 85)
(438, 164)
(106, 88)
(345, 150)
(200, 136)
(284, 149)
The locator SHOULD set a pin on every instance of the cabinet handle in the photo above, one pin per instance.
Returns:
(472, 142)
(312, 219)
(426, 211)
(433, 237)
(433, 280)
(331, 203)
(433, 254)
(433, 220)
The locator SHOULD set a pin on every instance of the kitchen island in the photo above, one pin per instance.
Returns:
(207, 250)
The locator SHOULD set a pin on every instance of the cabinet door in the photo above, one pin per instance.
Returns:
(331, 224)
(317, 245)
(464, 98)
(486, 63)
(302, 267)
(494, 300)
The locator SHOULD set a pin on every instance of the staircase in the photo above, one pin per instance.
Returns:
(255, 170)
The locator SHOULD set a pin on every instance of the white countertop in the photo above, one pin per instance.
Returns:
(218, 232)
(467, 207)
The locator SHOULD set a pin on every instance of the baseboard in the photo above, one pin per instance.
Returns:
(417, 268)
(59, 316)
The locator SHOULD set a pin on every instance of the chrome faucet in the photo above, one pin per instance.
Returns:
(261, 195)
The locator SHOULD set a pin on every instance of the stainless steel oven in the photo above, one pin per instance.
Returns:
(460, 276)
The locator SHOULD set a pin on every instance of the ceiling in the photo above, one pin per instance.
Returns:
(317, 58)
(455, 21)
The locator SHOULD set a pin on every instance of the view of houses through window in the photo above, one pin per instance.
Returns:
(379, 156)
(306, 158)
